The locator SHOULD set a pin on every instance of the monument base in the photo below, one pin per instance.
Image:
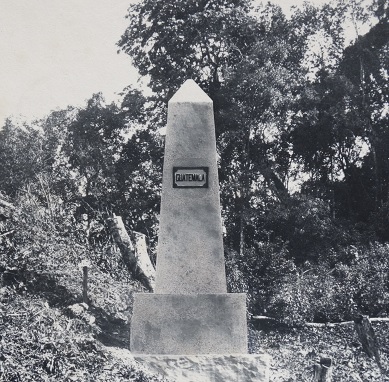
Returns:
(208, 368)
(189, 324)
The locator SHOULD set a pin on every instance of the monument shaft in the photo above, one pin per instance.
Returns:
(190, 312)
(190, 243)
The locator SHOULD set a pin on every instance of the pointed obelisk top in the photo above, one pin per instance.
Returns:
(190, 250)
(190, 92)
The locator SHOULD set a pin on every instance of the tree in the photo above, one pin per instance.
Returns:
(139, 177)
(211, 42)
(171, 42)
(338, 132)
(54, 134)
(365, 63)
(94, 138)
(258, 91)
(286, 107)
(23, 156)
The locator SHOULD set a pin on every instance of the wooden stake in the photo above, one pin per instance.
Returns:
(85, 285)
(368, 338)
(323, 370)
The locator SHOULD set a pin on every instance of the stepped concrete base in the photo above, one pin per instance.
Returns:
(189, 324)
(209, 368)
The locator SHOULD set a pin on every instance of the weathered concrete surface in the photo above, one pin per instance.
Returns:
(190, 255)
(209, 368)
(189, 324)
(182, 330)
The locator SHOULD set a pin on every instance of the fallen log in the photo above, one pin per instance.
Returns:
(7, 233)
(6, 210)
(7, 205)
(323, 325)
(328, 324)
(333, 324)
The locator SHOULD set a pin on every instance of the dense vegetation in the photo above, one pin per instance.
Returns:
(302, 125)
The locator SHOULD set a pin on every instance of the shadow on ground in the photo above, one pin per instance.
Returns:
(112, 331)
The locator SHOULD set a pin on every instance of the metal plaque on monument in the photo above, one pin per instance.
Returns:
(191, 329)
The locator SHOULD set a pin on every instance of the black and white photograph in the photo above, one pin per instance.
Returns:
(194, 191)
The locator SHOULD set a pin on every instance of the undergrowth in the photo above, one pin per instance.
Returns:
(46, 334)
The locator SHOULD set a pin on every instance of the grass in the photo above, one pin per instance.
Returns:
(295, 351)
(47, 335)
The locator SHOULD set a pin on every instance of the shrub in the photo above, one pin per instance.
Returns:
(309, 295)
(322, 294)
(258, 273)
(366, 279)
(45, 237)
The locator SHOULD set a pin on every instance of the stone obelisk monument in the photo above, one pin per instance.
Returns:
(191, 320)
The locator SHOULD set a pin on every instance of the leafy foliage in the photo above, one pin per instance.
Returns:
(301, 135)
(46, 334)
(284, 107)
(199, 39)
(46, 341)
(22, 156)
(295, 351)
(320, 293)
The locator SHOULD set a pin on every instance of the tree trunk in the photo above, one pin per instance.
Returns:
(323, 370)
(85, 285)
(241, 234)
(368, 338)
(6, 210)
(7, 205)
(143, 257)
(275, 182)
(138, 263)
